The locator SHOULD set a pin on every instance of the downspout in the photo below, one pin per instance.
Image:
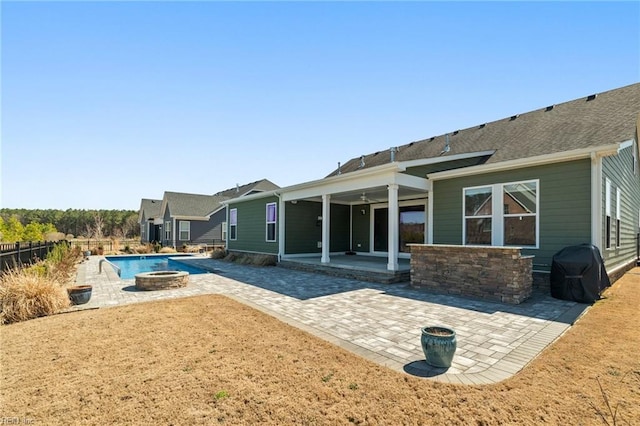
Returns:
(280, 226)
(173, 231)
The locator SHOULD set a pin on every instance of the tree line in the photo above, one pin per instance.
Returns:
(27, 224)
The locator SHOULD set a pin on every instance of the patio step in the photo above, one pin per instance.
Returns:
(376, 276)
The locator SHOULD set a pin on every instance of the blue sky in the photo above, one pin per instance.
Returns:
(105, 103)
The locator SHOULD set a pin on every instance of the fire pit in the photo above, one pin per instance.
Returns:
(161, 280)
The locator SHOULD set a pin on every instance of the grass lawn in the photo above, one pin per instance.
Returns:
(211, 360)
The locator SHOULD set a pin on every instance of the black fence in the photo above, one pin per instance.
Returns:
(17, 255)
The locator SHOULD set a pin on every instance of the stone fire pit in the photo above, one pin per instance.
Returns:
(161, 280)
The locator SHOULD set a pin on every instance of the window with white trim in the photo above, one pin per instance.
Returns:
(607, 209)
(185, 230)
(478, 213)
(618, 216)
(167, 230)
(233, 224)
(271, 219)
(510, 220)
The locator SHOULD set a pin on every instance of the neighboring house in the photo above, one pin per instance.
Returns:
(150, 220)
(183, 218)
(561, 175)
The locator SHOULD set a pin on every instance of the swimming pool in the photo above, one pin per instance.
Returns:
(132, 265)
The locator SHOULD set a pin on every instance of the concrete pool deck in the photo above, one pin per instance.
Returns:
(380, 322)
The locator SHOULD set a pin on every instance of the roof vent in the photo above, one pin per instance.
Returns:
(549, 108)
(361, 162)
(513, 117)
(411, 144)
(431, 138)
(591, 97)
(376, 153)
(393, 151)
(456, 132)
(339, 171)
(237, 187)
(482, 126)
(447, 147)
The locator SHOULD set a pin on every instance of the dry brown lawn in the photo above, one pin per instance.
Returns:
(211, 360)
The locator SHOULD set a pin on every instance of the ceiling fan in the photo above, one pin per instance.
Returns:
(366, 199)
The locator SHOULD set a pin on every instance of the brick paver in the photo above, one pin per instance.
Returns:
(380, 322)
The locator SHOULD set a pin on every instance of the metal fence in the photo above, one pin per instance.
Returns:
(106, 245)
(17, 255)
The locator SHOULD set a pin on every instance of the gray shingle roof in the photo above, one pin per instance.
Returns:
(192, 205)
(150, 208)
(610, 117)
(260, 185)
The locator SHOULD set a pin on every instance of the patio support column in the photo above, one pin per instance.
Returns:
(394, 214)
(281, 229)
(326, 213)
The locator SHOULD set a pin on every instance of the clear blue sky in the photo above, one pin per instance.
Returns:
(107, 103)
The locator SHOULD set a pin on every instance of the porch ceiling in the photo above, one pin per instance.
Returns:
(378, 194)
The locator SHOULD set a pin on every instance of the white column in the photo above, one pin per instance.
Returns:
(281, 229)
(326, 221)
(394, 224)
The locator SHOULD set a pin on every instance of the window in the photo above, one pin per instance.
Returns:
(233, 224)
(510, 220)
(607, 204)
(520, 205)
(167, 230)
(224, 231)
(271, 221)
(185, 230)
(478, 212)
(618, 216)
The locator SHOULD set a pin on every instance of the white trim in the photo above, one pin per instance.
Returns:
(231, 235)
(429, 213)
(281, 228)
(326, 228)
(605, 150)
(267, 223)
(625, 144)
(596, 201)
(498, 216)
(180, 231)
(175, 234)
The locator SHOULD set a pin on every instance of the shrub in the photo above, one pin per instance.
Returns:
(26, 294)
(167, 250)
(218, 254)
(142, 249)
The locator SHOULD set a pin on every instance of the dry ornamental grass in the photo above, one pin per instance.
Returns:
(210, 360)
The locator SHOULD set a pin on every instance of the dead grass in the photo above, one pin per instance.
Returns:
(167, 250)
(25, 295)
(210, 360)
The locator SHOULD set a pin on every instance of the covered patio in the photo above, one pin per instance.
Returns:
(361, 267)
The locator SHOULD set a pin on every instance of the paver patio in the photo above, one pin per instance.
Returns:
(380, 322)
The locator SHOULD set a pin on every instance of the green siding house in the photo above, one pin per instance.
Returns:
(558, 176)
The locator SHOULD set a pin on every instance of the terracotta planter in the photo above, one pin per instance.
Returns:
(439, 345)
(80, 294)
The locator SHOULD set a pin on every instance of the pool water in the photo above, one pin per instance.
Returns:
(132, 265)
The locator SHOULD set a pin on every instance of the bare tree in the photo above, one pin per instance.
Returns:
(98, 226)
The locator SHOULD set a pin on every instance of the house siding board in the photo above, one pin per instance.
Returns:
(302, 231)
(339, 232)
(361, 228)
(618, 169)
(251, 231)
(564, 211)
